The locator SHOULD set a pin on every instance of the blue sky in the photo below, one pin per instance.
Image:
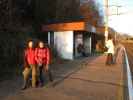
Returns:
(124, 22)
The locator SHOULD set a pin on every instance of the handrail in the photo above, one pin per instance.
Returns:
(129, 77)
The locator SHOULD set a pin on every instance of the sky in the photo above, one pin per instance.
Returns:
(124, 22)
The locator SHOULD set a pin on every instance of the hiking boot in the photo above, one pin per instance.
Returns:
(23, 88)
(24, 85)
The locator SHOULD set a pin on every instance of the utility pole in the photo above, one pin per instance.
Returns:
(106, 20)
(117, 14)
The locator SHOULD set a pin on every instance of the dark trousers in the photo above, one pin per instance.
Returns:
(41, 75)
(109, 60)
(41, 78)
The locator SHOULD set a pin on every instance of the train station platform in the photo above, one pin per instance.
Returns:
(87, 79)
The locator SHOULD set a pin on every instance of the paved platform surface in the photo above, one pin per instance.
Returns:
(88, 79)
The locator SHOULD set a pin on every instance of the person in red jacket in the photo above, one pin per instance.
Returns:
(29, 65)
(42, 57)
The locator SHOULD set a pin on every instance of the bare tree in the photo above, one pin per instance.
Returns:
(90, 12)
(68, 9)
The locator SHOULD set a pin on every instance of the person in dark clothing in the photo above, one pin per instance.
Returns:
(81, 49)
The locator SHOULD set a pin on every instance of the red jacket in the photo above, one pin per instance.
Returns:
(42, 55)
(30, 56)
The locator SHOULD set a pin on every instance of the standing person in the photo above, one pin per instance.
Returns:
(42, 56)
(29, 65)
(110, 51)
